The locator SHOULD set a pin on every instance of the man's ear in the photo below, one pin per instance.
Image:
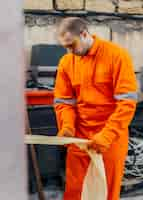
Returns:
(84, 33)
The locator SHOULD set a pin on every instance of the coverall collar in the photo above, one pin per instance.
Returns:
(93, 49)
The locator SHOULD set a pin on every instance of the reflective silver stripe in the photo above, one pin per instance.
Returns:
(129, 95)
(66, 101)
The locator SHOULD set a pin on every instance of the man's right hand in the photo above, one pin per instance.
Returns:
(67, 132)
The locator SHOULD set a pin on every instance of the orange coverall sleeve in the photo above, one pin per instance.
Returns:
(64, 101)
(125, 93)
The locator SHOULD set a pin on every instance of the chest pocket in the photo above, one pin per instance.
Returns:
(102, 79)
(99, 89)
(103, 82)
(101, 75)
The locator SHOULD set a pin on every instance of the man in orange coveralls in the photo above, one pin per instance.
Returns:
(95, 98)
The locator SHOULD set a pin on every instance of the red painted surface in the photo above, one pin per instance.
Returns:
(39, 97)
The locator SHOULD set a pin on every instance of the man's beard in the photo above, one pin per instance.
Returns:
(80, 53)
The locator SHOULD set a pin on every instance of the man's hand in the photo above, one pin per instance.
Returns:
(67, 132)
(99, 143)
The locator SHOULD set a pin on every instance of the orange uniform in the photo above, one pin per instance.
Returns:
(96, 94)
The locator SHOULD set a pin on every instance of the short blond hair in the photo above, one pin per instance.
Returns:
(74, 25)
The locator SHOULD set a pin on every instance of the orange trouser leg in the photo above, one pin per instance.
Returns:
(76, 167)
(114, 161)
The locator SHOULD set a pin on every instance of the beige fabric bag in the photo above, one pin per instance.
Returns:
(94, 185)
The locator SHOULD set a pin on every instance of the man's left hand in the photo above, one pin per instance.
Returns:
(99, 143)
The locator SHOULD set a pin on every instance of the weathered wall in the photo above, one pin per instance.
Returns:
(106, 18)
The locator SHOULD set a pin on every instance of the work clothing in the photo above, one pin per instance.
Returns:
(95, 97)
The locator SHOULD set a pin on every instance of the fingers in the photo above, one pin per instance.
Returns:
(98, 148)
(92, 145)
(66, 133)
(60, 133)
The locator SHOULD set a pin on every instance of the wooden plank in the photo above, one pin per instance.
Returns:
(100, 5)
(130, 6)
(133, 42)
(70, 4)
(38, 4)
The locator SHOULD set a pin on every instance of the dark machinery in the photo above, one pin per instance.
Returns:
(133, 177)
(50, 159)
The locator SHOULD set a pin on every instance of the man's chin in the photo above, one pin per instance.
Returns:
(80, 53)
